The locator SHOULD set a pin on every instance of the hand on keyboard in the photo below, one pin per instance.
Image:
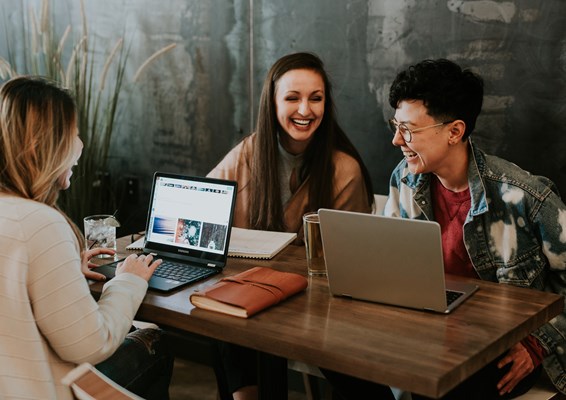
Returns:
(142, 265)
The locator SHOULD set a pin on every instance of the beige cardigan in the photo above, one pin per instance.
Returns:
(349, 188)
(49, 322)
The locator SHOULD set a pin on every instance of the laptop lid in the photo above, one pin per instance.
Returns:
(189, 222)
(387, 260)
(190, 218)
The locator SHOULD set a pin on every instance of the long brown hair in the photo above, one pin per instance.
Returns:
(37, 129)
(266, 210)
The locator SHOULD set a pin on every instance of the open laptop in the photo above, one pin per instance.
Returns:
(188, 226)
(388, 260)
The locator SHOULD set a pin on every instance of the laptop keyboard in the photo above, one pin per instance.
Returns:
(452, 296)
(181, 272)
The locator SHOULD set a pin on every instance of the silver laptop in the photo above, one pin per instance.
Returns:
(188, 226)
(388, 260)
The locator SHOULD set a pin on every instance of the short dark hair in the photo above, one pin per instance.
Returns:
(446, 90)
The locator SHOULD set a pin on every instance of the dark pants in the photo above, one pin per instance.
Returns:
(236, 365)
(346, 387)
(483, 384)
(480, 386)
(142, 364)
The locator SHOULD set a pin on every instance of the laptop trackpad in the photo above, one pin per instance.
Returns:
(108, 270)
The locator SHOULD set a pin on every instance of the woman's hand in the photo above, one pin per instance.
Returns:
(86, 264)
(142, 266)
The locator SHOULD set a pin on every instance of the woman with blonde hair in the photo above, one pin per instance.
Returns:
(49, 321)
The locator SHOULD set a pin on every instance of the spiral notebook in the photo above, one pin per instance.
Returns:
(247, 243)
(252, 243)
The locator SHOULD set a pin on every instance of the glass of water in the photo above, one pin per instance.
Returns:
(100, 231)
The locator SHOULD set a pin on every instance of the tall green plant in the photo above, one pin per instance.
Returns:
(97, 92)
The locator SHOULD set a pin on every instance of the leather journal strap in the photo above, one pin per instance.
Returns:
(276, 291)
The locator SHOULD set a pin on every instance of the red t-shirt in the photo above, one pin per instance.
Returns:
(450, 211)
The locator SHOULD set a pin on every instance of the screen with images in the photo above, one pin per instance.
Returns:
(190, 214)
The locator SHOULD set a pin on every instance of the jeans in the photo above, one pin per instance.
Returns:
(142, 364)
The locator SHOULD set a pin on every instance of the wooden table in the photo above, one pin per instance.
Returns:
(417, 351)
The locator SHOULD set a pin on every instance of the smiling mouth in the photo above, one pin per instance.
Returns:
(301, 122)
(409, 155)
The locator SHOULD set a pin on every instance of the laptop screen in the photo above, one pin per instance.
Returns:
(190, 217)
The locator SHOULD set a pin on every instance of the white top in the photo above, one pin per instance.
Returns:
(49, 321)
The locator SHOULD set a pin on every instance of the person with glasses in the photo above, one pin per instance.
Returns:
(407, 133)
(499, 223)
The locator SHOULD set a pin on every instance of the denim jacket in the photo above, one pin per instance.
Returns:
(515, 233)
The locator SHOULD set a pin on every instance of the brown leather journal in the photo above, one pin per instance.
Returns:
(249, 292)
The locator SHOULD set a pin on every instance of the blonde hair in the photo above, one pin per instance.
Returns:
(37, 129)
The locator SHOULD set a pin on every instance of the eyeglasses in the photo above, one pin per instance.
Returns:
(407, 133)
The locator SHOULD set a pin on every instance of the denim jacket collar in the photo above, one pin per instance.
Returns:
(476, 169)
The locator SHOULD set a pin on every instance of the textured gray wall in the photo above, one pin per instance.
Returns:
(194, 104)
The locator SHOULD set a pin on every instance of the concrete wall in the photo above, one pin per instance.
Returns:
(191, 106)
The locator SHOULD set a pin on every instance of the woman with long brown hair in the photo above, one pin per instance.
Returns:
(298, 160)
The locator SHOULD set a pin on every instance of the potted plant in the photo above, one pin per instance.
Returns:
(70, 60)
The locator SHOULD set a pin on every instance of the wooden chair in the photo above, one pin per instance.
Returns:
(88, 383)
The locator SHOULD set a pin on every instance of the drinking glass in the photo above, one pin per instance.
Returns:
(100, 231)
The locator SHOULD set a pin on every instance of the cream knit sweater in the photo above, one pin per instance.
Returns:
(49, 321)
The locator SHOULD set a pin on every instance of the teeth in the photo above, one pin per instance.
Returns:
(301, 121)
(409, 154)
